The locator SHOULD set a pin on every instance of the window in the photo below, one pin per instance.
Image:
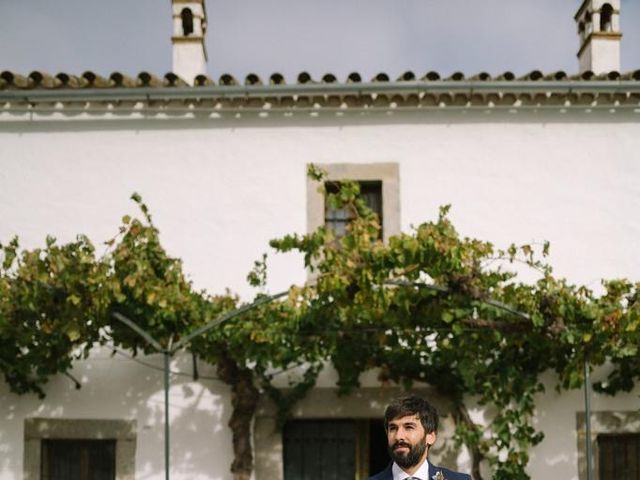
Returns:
(333, 449)
(78, 459)
(615, 443)
(619, 456)
(79, 449)
(187, 21)
(379, 184)
(337, 219)
(606, 14)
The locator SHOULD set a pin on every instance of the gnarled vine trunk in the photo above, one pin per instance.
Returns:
(462, 415)
(244, 399)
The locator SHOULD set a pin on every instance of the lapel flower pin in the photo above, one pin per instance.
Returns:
(439, 476)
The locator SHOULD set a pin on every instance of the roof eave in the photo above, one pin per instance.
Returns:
(278, 91)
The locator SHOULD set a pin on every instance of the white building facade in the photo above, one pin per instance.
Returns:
(222, 181)
(223, 169)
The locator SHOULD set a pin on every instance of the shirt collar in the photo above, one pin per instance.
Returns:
(422, 473)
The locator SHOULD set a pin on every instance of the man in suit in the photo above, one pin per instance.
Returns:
(411, 424)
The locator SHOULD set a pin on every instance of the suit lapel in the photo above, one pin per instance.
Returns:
(389, 475)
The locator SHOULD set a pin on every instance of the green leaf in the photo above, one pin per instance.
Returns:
(73, 334)
(74, 299)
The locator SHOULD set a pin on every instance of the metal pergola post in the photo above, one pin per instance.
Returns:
(587, 417)
(167, 440)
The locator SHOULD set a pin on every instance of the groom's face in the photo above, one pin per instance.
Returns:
(408, 441)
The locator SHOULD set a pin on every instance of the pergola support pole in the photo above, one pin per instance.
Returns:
(587, 417)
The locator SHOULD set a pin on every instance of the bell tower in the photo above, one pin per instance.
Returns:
(189, 28)
(598, 23)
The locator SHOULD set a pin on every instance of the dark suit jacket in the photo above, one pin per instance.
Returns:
(433, 470)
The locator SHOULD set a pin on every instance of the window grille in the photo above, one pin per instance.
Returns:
(619, 456)
(78, 459)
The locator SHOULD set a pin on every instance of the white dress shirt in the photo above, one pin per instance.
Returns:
(422, 473)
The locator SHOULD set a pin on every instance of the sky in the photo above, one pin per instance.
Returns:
(316, 36)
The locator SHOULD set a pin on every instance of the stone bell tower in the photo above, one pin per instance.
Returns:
(598, 24)
(189, 28)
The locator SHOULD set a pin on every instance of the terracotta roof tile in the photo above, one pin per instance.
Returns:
(90, 79)
(507, 76)
(534, 75)
(252, 79)
(329, 78)
(43, 80)
(68, 81)
(13, 80)
(354, 77)
(431, 76)
(277, 79)
(557, 76)
(431, 91)
(145, 79)
(304, 78)
(483, 76)
(94, 80)
(173, 80)
(381, 77)
(199, 81)
(227, 80)
(456, 76)
(120, 80)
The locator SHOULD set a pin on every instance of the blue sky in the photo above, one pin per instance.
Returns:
(318, 36)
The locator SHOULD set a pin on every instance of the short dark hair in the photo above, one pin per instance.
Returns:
(412, 405)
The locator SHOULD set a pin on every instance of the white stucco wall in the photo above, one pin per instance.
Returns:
(603, 55)
(121, 388)
(219, 189)
(556, 417)
(189, 59)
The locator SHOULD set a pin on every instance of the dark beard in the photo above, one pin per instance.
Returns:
(412, 458)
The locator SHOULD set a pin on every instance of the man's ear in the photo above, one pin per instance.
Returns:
(431, 438)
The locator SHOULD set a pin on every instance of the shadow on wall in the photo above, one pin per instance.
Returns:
(9, 452)
(124, 389)
(191, 456)
(200, 442)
